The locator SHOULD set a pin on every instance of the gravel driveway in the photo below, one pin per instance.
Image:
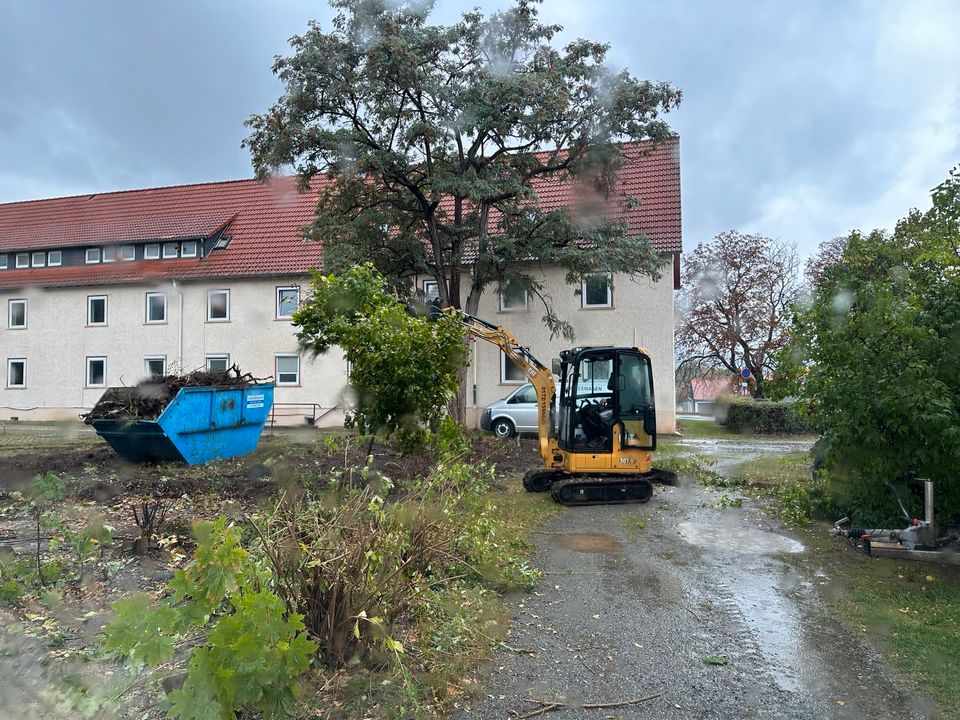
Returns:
(627, 612)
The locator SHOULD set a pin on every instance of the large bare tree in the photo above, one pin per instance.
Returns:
(735, 294)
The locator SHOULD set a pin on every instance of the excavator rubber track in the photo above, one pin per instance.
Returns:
(608, 489)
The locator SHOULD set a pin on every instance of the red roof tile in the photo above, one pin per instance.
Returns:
(265, 222)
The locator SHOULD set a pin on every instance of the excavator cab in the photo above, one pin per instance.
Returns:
(606, 401)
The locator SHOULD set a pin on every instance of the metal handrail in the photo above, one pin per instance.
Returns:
(317, 411)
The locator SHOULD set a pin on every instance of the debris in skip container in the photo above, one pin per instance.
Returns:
(194, 418)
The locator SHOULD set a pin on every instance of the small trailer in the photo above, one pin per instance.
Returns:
(199, 425)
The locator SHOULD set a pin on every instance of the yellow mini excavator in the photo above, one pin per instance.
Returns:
(596, 442)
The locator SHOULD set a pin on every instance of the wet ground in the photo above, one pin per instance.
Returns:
(698, 611)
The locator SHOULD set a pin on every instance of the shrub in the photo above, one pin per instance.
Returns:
(357, 567)
(248, 652)
(761, 417)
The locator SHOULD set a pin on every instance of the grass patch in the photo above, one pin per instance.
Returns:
(699, 468)
(775, 470)
(706, 429)
(634, 525)
(914, 611)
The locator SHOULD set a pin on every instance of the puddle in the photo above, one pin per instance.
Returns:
(735, 538)
(587, 542)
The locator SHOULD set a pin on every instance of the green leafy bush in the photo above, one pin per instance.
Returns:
(403, 368)
(248, 651)
(761, 417)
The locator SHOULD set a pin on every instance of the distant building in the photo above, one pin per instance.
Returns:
(703, 394)
(107, 289)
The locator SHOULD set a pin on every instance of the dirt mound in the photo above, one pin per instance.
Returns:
(146, 400)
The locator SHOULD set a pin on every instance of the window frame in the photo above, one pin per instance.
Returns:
(210, 294)
(21, 265)
(583, 291)
(218, 356)
(50, 262)
(147, 319)
(108, 254)
(90, 299)
(175, 247)
(288, 288)
(10, 303)
(276, 369)
(504, 380)
(86, 375)
(426, 292)
(86, 256)
(183, 248)
(147, 359)
(23, 373)
(151, 251)
(123, 249)
(43, 259)
(518, 308)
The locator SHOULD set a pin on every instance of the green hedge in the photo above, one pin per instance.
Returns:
(761, 417)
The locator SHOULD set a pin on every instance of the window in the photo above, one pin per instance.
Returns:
(54, 258)
(151, 252)
(188, 248)
(128, 252)
(221, 243)
(96, 371)
(527, 394)
(169, 250)
(17, 313)
(93, 255)
(513, 296)
(218, 305)
(154, 367)
(16, 373)
(287, 301)
(218, 363)
(431, 290)
(23, 260)
(39, 259)
(595, 291)
(96, 310)
(510, 372)
(288, 369)
(156, 307)
(110, 253)
(3, 262)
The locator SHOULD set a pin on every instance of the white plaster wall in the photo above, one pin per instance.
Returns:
(641, 315)
(57, 342)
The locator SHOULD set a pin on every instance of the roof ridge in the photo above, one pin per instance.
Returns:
(233, 181)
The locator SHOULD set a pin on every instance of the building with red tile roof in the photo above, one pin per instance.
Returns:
(101, 289)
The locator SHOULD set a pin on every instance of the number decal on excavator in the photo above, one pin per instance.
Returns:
(627, 461)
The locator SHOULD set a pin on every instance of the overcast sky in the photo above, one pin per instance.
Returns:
(800, 120)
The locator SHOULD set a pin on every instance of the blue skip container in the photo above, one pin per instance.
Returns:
(199, 425)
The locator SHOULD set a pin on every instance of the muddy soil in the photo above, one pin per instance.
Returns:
(640, 601)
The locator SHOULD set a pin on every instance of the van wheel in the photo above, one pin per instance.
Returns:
(503, 428)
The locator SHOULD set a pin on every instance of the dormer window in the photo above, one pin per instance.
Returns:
(221, 243)
(109, 254)
(169, 251)
(151, 252)
(3, 262)
(23, 260)
(128, 252)
(93, 255)
(39, 259)
(188, 249)
(54, 258)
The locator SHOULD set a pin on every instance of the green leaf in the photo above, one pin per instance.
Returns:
(714, 660)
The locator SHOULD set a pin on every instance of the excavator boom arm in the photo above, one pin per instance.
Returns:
(539, 375)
